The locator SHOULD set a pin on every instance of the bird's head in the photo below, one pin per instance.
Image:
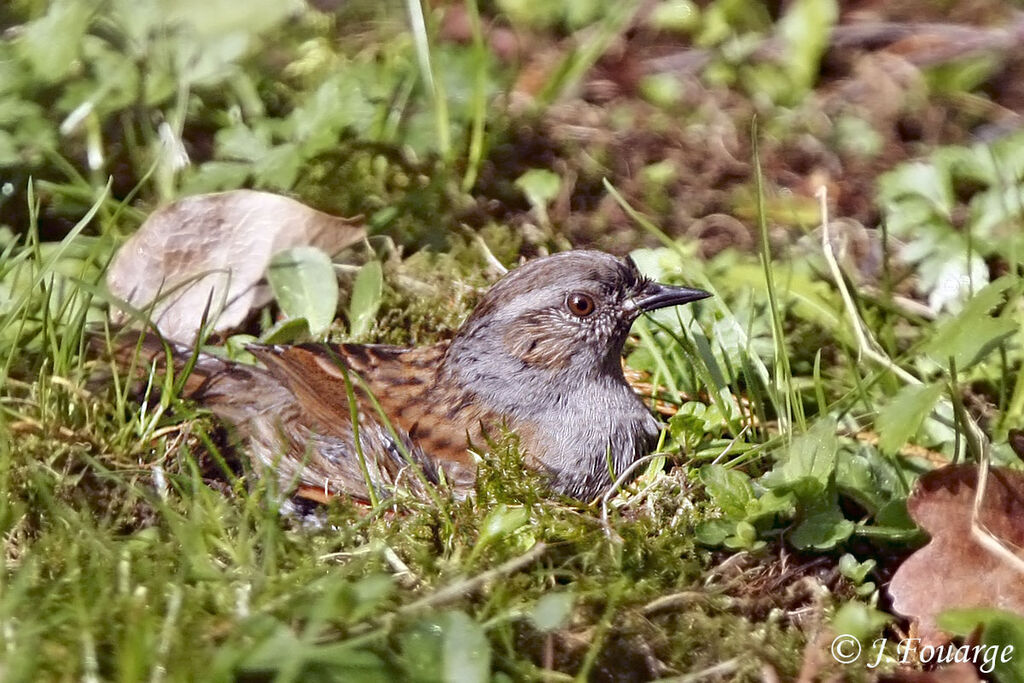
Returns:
(566, 313)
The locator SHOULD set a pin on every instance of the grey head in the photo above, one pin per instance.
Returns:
(562, 319)
(543, 349)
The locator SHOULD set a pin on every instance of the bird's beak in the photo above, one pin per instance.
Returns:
(656, 295)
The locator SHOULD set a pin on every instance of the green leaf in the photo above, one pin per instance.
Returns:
(448, 647)
(287, 331)
(501, 521)
(693, 423)
(973, 333)
(859, 620)
(680, 16)
(1003, 636)
(771, 503)
(804, 30)
(305, 286)
(279, 167)
(920, 180)
(730, 489)
(900, 419)
(869, 477)
(366, 297)
(361, 599)
(553, 610)
(540, 186)
(235, 347)
(895, 514)
(853, 570)
(714, 531)
(51, 43)
(1006, 634)
(281, 649)
(822, 529)
(744, 536)
(811, 457)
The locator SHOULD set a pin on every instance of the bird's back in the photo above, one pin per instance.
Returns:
(294, 416)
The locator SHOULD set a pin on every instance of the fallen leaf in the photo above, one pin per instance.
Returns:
(216, 247)
(953, 570)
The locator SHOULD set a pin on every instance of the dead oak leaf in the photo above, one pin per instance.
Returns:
(216, 248)
(954, 570)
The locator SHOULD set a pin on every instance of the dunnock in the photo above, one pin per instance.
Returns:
(539, 355)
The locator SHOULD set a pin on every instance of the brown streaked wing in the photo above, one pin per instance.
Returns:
(440, 418)
(405, 384)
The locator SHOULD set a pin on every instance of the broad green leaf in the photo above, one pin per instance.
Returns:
(714, 531)
(235, 347)
(680, 16)
(900, 419)
(744, 536)
(973, 333)
(947, 271)
(822, 529)
(240, 142)
(694, 422)
(730, 489)
(305, 286)
(869, 477)
(1006, 634)
(214, 176)
(552, 611)
(1003, 637)
(918, 179)
(771, 503)
(964, 75)
(662, 90)
(366, 297)
(894, 514)
(538, 13)
(811, 457)
(279, 167)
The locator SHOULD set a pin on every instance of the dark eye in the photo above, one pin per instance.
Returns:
(580, 304)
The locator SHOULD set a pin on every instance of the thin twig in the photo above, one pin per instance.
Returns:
(457, 590)
(618, 483)
(672, 601)
(985, 538)
(722, 669)
(732, 443)
(866, 344)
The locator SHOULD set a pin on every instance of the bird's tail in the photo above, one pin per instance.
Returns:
(198, 374)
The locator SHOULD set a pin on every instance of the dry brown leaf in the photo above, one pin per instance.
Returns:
(219, 242)
(954, 570)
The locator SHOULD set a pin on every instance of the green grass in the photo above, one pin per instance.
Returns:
(799, 400)
(138, 547)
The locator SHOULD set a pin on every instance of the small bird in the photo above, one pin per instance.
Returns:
(540, 355)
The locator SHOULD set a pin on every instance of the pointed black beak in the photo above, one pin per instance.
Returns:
(656, 295)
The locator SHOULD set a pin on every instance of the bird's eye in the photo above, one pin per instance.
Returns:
(580, 304)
